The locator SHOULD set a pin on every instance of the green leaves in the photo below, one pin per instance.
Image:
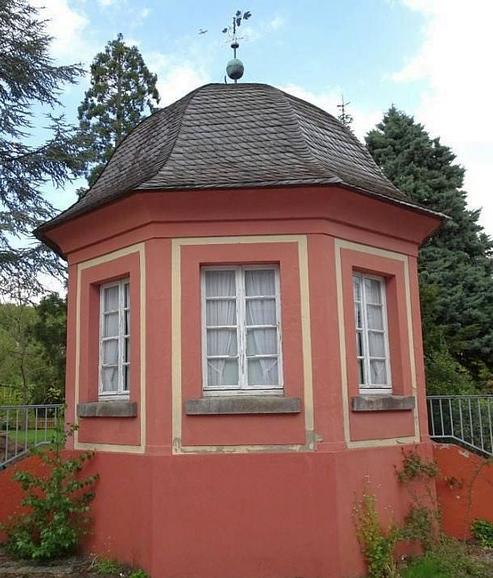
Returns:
(122, 92)
(57, 503)
(28, 78)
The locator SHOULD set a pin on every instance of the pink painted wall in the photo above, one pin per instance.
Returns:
(254, 514)
(463, 489)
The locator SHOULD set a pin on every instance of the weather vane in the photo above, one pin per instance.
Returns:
(235, 68)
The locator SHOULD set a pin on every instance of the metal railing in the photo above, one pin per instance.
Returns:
(23, 427)
(463, 419)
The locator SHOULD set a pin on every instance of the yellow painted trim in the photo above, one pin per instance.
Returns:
(136, 449)
(342, 244)
(176, 352)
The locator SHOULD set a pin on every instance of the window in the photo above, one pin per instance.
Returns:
(114, 341)
(241, 330)
(372, 346)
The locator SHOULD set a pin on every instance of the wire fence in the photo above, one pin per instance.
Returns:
(464, 419)
(23, 427)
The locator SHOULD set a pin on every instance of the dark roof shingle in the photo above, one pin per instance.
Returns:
(235, 135)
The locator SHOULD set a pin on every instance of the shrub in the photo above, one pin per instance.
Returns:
(58, 505)
(482, 530)
(377, 544)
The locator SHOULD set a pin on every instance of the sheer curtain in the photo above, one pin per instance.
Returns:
(260, 298)
(222, 345)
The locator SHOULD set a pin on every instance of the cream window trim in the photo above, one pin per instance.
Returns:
(243, 387)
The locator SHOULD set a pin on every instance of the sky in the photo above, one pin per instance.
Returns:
(430, 58)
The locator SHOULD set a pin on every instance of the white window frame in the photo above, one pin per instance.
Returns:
(243, 387)
(121, 392)
(369, 388)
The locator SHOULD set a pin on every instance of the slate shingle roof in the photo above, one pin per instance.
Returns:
(227, 136)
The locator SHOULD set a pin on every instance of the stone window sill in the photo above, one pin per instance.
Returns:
(362, 403)
(243, 404)
(114, 408)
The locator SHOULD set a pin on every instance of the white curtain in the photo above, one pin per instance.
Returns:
(221, 312)
(261, 341)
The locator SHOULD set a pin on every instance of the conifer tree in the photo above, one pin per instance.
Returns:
(456, 266)
(29, 78)
(122, 92)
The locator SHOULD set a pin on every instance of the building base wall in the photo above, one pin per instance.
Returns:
(241, 516)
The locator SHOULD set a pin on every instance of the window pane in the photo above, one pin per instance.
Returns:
(220, 283)
(221, 312)
(126, 350)
(361, 371)
(110, 325)
(375, 316)
(376, 343)
(378, 372)
(260, 282)
(109, 378)
(221, 342)
(111, 298)
(372, 291)
(357, 287)
(263, 372)
(261, 312)
(261, 341)
(360, 349)
(126, 296)
(222, 372)
(127, 322)
(110, 352)
(358, 318)
(126, 377)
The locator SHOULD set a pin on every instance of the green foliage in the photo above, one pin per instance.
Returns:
(122, 88)
(415, 468)
(138, 574)
(107, 566)
(422, 523)
(482, 530)
(450, 559)
(57, 502)
(32, 351)
(456, 266)
(29, 80)
(376, 543)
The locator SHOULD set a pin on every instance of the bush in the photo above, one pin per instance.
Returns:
(58, 505)
(482, 530)
(377, 544)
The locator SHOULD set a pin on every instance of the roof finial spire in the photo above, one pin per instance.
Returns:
(235, 68)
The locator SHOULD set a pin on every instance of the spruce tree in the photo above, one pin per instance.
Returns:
(28, 79)
(122, 91)
(456, 266)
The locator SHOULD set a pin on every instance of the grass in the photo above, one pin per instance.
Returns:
(30, 436)
(450, 559)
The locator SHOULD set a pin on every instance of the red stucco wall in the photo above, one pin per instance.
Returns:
(464, 489)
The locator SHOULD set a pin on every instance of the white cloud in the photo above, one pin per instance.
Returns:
(176, 76)
(276, 23)
(363, 119)
(454, 60)
(68, 27)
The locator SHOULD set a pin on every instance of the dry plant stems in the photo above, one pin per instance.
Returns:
(57, 502)
(477, 472)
